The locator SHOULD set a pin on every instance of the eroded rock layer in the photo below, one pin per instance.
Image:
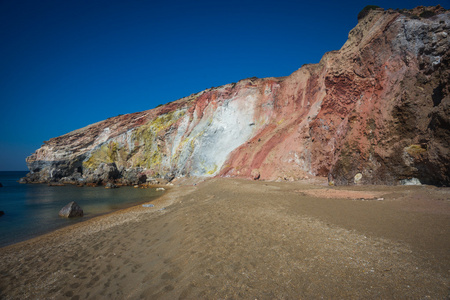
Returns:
(377, 111)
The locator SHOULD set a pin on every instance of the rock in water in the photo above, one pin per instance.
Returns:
(71, 210)
(2, 213)
(1, 184)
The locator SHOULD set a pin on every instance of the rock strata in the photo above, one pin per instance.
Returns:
(377, 111)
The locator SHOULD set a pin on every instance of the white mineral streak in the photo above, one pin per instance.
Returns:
(103, 137)
(180, 133)
(199, 147)
(225, 131)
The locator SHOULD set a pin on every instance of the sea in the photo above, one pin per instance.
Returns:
(31, 210)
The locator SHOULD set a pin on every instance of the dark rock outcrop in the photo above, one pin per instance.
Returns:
(71, 210)
(132, 176)
(111, 185)
(104, 173)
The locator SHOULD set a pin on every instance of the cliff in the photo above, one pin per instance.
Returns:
(377, 112)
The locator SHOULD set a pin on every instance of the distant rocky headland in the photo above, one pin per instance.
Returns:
(377, 111)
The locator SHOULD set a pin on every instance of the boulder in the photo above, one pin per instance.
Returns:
(255, 174)
(357, 178)
(1, 184)
(71, 210)
(2, 213)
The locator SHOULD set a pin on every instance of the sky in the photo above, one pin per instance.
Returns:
(67, 64)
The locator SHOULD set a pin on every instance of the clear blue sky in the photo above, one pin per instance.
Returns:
(65, 64)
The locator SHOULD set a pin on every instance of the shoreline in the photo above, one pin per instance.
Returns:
(18, 229)
(95, 220)
(234, 238)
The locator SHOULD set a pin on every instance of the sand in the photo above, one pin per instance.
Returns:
(238, 239)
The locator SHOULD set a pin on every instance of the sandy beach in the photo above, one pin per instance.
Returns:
(240, 239)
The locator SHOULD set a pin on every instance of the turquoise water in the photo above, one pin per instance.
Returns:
(32, 209)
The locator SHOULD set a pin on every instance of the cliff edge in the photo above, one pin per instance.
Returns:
(375, 112)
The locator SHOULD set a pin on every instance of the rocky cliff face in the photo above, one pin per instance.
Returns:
(377, 111)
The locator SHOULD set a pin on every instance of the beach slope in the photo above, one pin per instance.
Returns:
(232, 238)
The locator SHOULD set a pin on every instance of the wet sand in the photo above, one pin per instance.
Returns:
(238, 239)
